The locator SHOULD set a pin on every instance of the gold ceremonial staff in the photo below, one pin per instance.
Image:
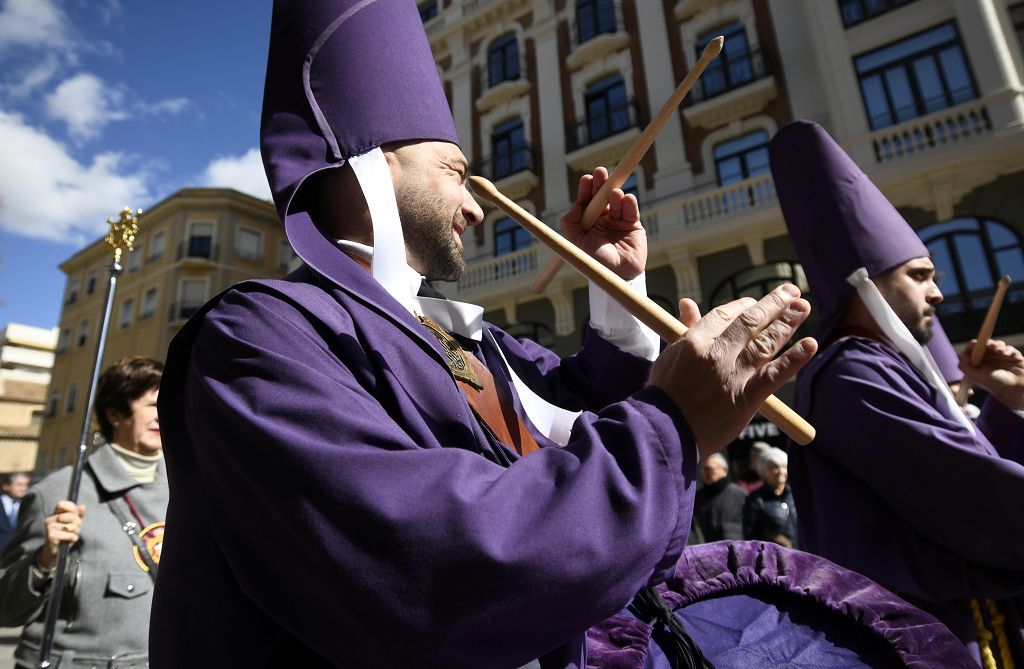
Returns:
(121, 238)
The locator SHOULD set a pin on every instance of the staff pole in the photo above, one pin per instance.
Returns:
(121, 239)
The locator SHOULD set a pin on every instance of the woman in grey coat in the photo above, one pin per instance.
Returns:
(104, 612)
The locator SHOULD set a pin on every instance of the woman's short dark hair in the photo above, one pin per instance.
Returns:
(121, 384)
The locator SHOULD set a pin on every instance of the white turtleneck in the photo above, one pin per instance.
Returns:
(140, 467)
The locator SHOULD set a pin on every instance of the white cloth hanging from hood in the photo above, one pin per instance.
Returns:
(899, 335)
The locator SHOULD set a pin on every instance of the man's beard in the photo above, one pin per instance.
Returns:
(921, 331)
(429, 238)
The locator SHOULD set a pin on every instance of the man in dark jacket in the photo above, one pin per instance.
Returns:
(718, 506)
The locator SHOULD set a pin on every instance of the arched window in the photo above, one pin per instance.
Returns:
(593, 18)
(756, 282)
(741, 158)
(971, 254)
(510, 154)
(503, 60)
(509, 237)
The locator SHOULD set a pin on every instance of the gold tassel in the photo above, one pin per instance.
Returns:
(988, 661)
(998, 620)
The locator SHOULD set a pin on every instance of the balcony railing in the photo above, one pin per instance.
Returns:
(728, 73)
(198, 247)
(505, 163)
(962, 314)
(595, 127)
(743, 196)
(494, 270)
(920, 135)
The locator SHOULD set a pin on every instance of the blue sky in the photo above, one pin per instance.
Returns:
(107, 103)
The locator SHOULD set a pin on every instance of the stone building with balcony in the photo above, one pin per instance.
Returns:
(926, 95)
(26, 357)
(190, 246)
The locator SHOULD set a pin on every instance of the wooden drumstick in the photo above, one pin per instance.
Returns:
(646, 310)
(984, 334)
(633, 155)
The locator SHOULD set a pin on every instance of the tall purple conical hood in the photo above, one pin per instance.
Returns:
(344, 77)
(944, 354)
(838, 219)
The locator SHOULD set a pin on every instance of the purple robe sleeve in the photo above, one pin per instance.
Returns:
(598, 375)
(340, 513)
(875, 417)
(1004, 428)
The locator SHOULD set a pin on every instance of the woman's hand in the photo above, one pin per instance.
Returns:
(64, 526)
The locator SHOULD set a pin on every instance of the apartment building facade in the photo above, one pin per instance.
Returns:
(26, 357)
(190, 246)
(926, 95)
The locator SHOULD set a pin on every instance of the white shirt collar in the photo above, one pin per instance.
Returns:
(461, 318)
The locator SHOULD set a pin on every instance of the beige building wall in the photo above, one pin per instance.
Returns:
(26, 357)
(190, 247)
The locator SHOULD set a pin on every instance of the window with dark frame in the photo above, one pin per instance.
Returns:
(83, 333)
(90, 283)
(156, 248)
(503, 60)
(200, 240)
(859, 11)
(509, 153)
(917, 75)
(733, 67)
(509, 237)
(607, 108)
(71, 399)
(148, 306)
(741, 158)
(593, 18)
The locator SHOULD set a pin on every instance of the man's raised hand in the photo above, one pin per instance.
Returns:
(725, 366)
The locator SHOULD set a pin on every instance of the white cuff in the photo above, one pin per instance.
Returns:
(617, 326)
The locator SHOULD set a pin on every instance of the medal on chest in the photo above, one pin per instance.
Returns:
(454, 355)
(153, 539)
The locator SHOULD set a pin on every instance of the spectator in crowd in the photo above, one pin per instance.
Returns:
(718, 506)
(14, 487)
(104, 614)
(750, 480)
(769, 513)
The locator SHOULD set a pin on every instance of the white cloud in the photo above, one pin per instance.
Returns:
(86, 105)
(244, 173)
(168, 106)
(32, 23)
(33, 77)
(45, 193)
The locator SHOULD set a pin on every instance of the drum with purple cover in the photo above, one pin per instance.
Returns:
(756, 605)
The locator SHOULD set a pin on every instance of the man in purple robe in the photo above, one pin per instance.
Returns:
(340, 494)
(899, 485)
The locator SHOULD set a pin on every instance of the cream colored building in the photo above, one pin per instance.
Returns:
(190, 247)
(925, 94)
(26, 357)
